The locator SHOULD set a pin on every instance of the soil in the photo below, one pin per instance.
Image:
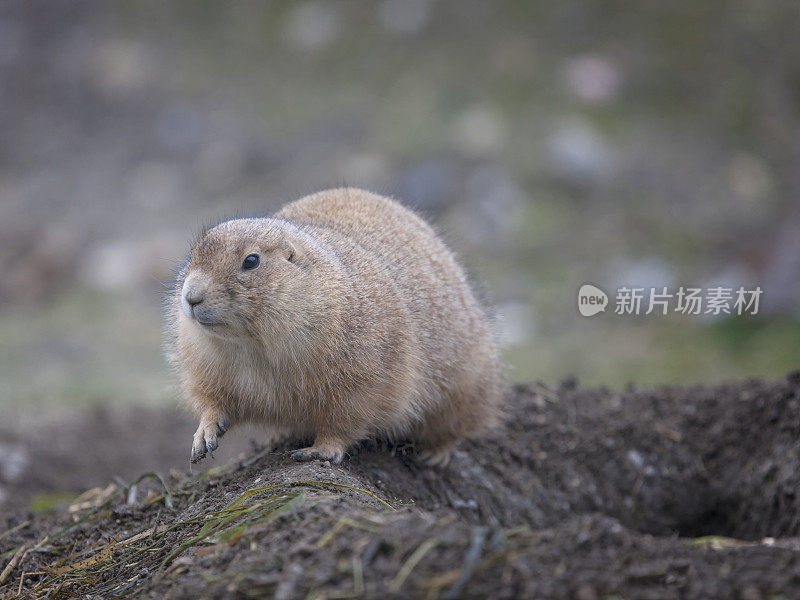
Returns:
(677, 492)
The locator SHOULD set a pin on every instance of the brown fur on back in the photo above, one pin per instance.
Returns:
(358, 322)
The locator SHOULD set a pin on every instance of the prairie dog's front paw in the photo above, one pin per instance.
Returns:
(207, 434)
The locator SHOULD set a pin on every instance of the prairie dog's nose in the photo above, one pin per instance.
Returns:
(193, 293)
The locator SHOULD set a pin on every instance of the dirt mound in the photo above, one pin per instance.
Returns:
(681, 492)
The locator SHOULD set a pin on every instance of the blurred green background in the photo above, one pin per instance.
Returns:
(554, 143)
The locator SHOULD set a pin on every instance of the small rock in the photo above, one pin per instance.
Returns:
(592, 78)
(112, 265)
(569, 383)
(14, 461)
(635, 457)
(480, 131)
(121, 68)
(313, 25)
(499, 201)
(750, 178)
(750, 592)
(586, 592)
(580, 153)
(404, 16)
(458, 503)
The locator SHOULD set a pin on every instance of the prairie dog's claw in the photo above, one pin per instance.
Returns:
(206, 437)
(223, 425)
(197, 455)
(436, 457)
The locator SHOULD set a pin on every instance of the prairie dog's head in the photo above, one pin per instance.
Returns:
(245, 277)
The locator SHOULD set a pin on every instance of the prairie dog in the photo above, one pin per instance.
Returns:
(342, 316)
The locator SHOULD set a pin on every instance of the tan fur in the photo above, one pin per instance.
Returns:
(357, 322)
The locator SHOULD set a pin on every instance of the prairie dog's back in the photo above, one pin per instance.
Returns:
(430, 282)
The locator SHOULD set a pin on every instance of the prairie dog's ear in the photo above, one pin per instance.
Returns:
(290, 251)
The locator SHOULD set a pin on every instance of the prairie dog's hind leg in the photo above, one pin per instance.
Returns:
(332, 449)
(467, 411)
(213, 425)
(333, 438)
(437, 456)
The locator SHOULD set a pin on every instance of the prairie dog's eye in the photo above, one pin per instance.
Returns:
(251, 262)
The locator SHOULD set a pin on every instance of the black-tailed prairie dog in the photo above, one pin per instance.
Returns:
(342, 316)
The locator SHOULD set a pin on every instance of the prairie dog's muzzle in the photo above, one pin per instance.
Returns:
(193, 295)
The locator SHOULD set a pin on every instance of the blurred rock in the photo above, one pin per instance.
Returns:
(782, 274)
(313, 25)
(635, 458)
(516, 56)
(592, 78)
(750, 177)
(586, 592)
(579, 152)
(14, 459)
(405, 16)
(113, 265)
(37, 260)
(648, 272)
(121, 265)
(497, 202)
(480, 132)
(728, 276)
(121, 67)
